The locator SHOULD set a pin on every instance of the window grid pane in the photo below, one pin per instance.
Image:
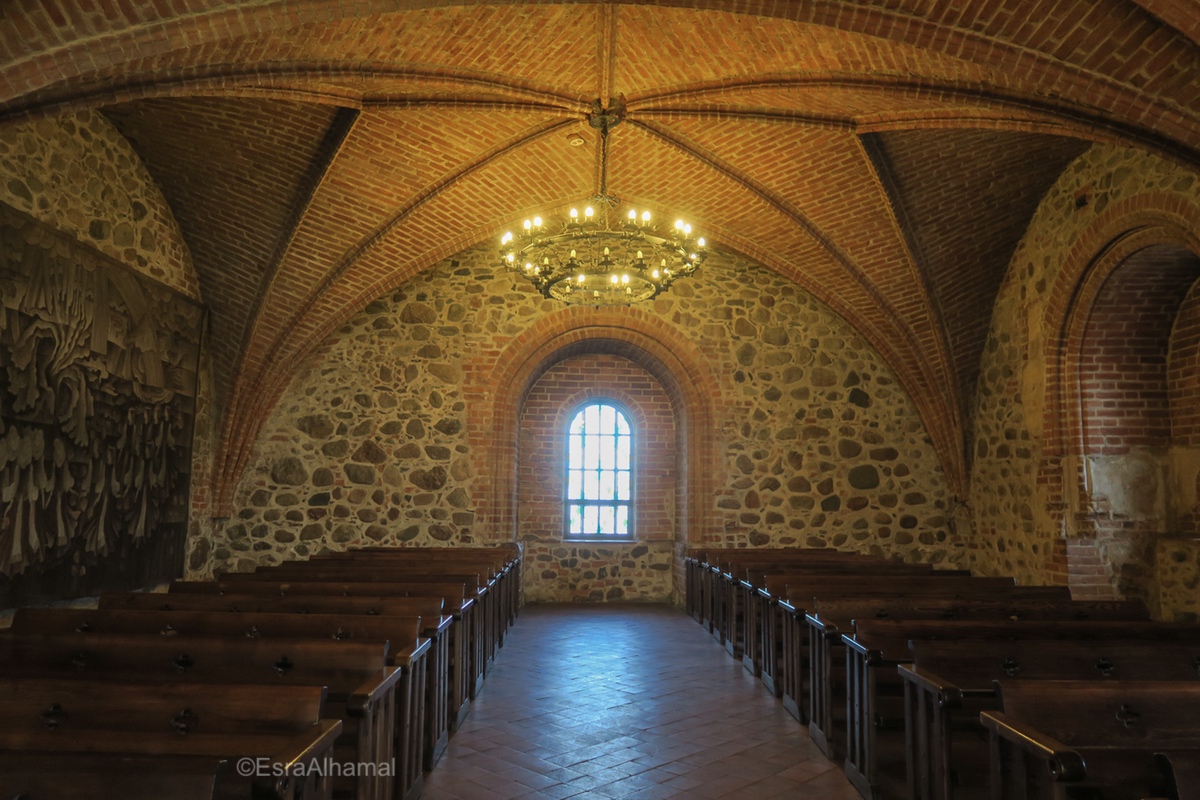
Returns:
(599, 472)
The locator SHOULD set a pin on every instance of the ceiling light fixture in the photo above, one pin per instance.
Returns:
(600, 256)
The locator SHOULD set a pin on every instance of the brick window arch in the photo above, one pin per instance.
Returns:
(598, 502)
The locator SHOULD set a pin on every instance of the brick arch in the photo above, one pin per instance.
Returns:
(500, 385)
(1126, 227)
(622, 400)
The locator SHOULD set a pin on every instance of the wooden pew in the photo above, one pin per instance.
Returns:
(480, 583)
(801, 593)
(281, 724)
(507, 553)
(723, 574)
(703, 567)
(502, 564)
(361, 688)
(833, 615)
(873, 696)
(756, 601)
(1184, 768)
(419, 708)
(876, 719)
(1107, 740)
(827, 660)
(78, 776)
(458, 604)
(949, 683)
(448, 679)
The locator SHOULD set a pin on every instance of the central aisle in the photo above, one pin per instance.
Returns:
(626, 702)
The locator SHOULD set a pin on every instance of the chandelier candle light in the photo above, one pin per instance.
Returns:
(594, 259)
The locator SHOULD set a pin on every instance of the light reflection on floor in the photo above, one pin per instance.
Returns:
(626, 702)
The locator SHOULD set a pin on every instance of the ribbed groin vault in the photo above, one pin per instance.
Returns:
(251, 304)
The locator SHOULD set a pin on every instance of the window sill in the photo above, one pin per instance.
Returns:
(601, 539)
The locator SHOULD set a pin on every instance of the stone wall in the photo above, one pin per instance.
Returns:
(1177, 579)
(817, 443)
(561, 571)
(1020, 508)
(77, 173)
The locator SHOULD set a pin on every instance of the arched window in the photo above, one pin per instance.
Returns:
(599, 474)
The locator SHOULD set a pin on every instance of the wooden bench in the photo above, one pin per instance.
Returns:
(756, 603)
(875, 707)
(827, 659)
(280, 724)
(834, 617)
(873, 696)
(507, 555)
(362, 689)
(949, 683)
(457, 604)
(721, 577)
(503, 564)
(421, 694)
(1108, 740)
(78, 776)
(802, 590)
(750, 594)
(449, 668)
(480, 583)
(704, 567)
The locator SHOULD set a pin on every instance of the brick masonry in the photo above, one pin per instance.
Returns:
(564, 571)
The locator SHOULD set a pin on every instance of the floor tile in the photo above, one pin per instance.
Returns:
(597, 702)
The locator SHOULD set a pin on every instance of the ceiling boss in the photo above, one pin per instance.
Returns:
(603, 255)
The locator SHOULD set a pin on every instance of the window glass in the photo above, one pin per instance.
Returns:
(599, 473)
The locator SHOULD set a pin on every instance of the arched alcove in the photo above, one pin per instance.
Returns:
(587, 568)
(630, 334)
(1128, 358)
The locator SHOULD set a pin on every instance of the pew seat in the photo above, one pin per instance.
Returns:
(78, 776)
(329, 638)
(281, 724)
(361, 688)
(1110, 740)
(948, 684)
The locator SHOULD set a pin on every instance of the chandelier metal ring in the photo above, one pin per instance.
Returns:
(599, 257)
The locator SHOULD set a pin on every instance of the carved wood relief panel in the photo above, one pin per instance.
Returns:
(97, 394)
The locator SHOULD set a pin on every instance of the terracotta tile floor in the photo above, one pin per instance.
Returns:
(626, 702)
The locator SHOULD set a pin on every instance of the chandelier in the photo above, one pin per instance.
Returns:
(601, 256)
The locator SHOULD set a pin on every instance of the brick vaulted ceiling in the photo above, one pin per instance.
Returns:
(885, 155)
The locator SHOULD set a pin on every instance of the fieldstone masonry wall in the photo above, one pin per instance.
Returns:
(1020, 514)
(77, 173)
(818, 443)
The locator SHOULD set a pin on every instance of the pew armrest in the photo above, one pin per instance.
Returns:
(949, 695)
(362, 699)
(1064, 762)
(406, 657)
(829, 628)
(291, 761)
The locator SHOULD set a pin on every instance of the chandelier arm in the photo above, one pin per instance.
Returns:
(617, 276)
